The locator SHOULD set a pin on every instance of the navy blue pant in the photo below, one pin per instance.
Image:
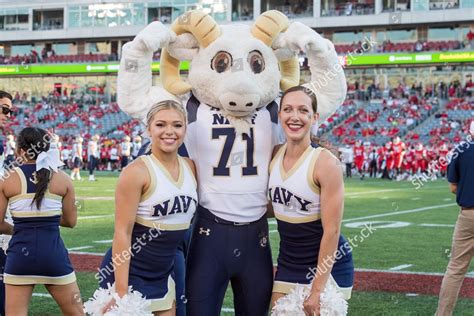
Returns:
(221, 252)
(3, 258)
(92, 164)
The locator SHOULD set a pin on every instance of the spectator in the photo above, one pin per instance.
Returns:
(470, 38)
(460, 174)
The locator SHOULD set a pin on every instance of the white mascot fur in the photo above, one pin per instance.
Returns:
(237, 69)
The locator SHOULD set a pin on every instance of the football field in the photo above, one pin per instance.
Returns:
(400, 234)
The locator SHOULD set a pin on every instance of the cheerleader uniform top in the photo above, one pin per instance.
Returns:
(296, 202)
(163, 217)
(36, 252)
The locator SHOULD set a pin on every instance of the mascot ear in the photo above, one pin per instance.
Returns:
(185, 47)
(266, 28)
(204, 29)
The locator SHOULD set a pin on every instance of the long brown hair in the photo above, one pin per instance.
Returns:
(34, 141)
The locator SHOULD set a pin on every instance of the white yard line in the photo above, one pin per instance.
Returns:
(227, 310)
(415, 210)
(96, 198)
(436, 225)
(400, 267)
(94, 216)
(87, 253)
(107, 241)
(42, 295)
(79, 248)
(408, 272)
(411, 188)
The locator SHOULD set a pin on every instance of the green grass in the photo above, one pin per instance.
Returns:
(425, 248)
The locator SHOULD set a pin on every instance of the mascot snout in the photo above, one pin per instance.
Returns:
(239, 104)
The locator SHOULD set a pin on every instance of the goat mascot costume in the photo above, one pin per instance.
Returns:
(236, 73)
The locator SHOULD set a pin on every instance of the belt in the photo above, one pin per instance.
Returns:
(467, 209)
(208, 214)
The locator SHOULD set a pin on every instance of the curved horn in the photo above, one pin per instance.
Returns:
(205, 30)
(266, 28)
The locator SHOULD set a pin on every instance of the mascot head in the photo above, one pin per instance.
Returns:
(233, 67)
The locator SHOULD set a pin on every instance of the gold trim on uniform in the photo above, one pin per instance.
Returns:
(189, 169)
(165, 171)
(32, 195)
(277, 155)
(161, 226)
(24, 186)
(37, 279)
(35, 214)
(316, 188)
(298, 220)
(285, 175)
(286, 287)
(165, 303)
(152, 186)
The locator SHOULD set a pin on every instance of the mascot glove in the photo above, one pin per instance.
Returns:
(154, 36)
(299, 37)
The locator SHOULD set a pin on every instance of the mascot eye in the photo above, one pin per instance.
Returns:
(255, 59)
(221, 62)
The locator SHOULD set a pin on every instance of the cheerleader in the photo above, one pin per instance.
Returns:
(125, 151)
(10, 152)
(155, 200)
(77, 158)
(306, 190)
(40, 199)
(137, 144)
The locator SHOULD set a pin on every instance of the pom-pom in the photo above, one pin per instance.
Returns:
(4, 242)
(332, 302)
(131, 304)
(99, 300)
(292, 303)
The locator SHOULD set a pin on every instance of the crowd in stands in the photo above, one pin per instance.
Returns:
(441, 90)
(391, 47)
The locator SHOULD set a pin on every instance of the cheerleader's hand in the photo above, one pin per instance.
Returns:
(108, 307)
(311, 304)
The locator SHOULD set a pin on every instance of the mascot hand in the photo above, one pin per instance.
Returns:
(300, 37)
(153, 37)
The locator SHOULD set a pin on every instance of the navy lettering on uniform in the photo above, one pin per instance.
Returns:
(179, 204)
(303, 202)
(283, 196)
(229, 134)
(276, 197)
(218, 119)
(286, 196)
(250, 169)
(161, 209)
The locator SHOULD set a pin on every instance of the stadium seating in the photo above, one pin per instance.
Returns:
(448, 124)
(379, 121)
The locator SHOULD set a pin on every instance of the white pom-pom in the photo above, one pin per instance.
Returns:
(99, 300)
(332, 302)
(5, 240)
(292, 303)
(131, 304)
